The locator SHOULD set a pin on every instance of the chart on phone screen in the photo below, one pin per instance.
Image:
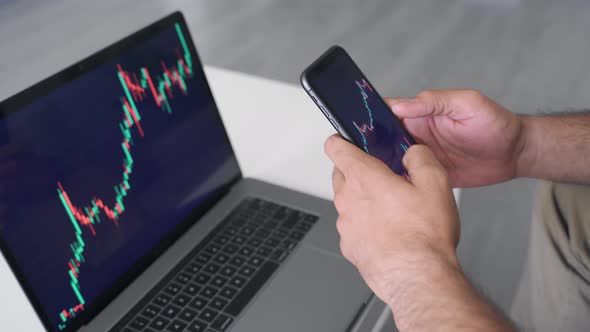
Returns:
(367, 128)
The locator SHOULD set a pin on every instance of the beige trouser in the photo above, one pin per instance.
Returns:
(554, 291)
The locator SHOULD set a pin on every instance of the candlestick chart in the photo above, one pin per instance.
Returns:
(138, 87)
(366, 128)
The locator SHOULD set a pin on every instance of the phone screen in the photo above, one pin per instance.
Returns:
(355, 103)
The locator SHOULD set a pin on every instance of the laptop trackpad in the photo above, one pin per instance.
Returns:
(315, 291)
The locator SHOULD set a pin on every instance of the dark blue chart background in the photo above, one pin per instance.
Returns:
(71, 135)
(337, 88)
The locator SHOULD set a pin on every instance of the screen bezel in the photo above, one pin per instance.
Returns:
(317, 68)
(46, 86)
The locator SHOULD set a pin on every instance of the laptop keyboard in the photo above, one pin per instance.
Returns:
(209, 288)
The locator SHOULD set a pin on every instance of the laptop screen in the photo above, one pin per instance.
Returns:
(103, 165)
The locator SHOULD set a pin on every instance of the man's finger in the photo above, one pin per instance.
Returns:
(431, 103)
(391, 102)
(424, 169)
(348, 158)
(337, 180)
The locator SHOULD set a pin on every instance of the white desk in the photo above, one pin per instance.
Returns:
(278, 136)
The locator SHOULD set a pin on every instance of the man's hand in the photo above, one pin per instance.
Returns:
(390, 227)
(402, 235)
(477, 141)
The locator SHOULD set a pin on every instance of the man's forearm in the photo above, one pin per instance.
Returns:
(438, 297)
(556, 148)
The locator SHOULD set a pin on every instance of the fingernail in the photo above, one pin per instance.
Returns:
(401, 103)
(405, 101)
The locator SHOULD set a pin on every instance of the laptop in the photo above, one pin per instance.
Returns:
(128, 211)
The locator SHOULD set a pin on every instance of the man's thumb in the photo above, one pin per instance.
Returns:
(423, 167)
(427, 103)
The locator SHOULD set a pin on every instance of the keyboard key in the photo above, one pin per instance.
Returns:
(188, 314)
(262, 233)
(303, 227)
(221, 240)
(239, 240)
(230, 249)
(197, 326)
(159, 323)
(193, 268)
(271, 224)
(310, 218)
(221, 259)
(192, 289)
(291, 220)
(181, 300)
(239, 222)
(237, 281)
(255, 203)
(237, 261)
(248, 230)
(295, 235)
(264, 251)
(228, 271)
(173, 289)
(208, 315)
(280, 233)
(150, 311)
(247, 214)
(269, 206)
(247, 271)
(254, 242)
(171, 311)
(267, 216)
(218, 303)
(221, 323)
(208, 292)
(281, 213)
(202, 278)
(203, 258)
(218, 281)
(272, 242)
(139, 323)
(231, 231)
(212, 268)
(213, 249)
(257, 221)
(248, 292)
(162, 300)
(198, 303)
(256, 261)
(246, 251)
(183, 278)
(176, 326)
(228, 292)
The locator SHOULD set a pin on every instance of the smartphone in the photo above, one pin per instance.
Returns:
(355, 109)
